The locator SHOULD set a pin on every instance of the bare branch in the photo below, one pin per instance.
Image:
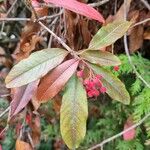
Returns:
(146, 4)
(58, 38)
(97, 4)
(141, 22)
(4, 112)
(121, 133)
(8, 12)
(127, 51)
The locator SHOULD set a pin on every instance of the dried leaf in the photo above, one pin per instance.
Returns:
(73, 115)
(120, 13)
(102, 58)
(108, 34)
(21, 145)
(35, 66)
(115, 88)
(22, 96)
(79, 8)
(35, 126)
(136, 38)
(53, 82)
(147, 34)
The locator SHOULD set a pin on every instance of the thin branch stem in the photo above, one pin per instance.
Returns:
(8, 12)
(97, 4)
(31, 141)
(131, 63)
(121, 133)
(146, 4)
(141, 22)
(58, 38)
(4, 112)
(29, 19)
(127, 51)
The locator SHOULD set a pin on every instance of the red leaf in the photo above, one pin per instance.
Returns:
(22, 96)
(54, 81)
(79, 8)
(130, 135)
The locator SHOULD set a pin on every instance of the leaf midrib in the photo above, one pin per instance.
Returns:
(58, 78)
(101, 58)
(108, 35)
(36, 66)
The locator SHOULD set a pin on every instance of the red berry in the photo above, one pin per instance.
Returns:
(103, 90)
(99, 84)
(96, 92)
(95, 80)
(98, 76)
(80, 73)
(86, 81)
(116, 68)
(90, 94)
(28, 119)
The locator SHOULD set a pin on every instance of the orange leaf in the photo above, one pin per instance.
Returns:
(21, 145)
(54, 81)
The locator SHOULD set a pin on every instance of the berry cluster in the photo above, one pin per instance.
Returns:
(93, 86)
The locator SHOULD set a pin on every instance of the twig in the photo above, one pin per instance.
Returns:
(127, 50)
(5, 129)
(97, 4)
(121, 133)
(31, 141)
(29, 19)
(58, 38)
(10, 9)
(141, 22)
(51, 37)
(131, 63)
(4, 112)
(4, 95)
(146, 4)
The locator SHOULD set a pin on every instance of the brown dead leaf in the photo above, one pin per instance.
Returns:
(29, 36)
(57, 103)
(21, 145)
(120, 13)
(136, 38)
(147, 34)
(35, 126)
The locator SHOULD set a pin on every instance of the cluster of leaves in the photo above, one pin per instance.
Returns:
(46, 73)
(107, 117)
(47, 63)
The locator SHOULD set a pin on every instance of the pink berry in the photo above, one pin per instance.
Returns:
(103, 90)
(116, 68)
(90, 94)
(86, 81)
(80, 73)
(96, 92)
(95, 80)
(98, 76)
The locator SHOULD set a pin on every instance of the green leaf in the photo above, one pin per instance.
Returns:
(73, 114)
(35, 66)
(102, 58)
(115, 88)
(108, 34)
